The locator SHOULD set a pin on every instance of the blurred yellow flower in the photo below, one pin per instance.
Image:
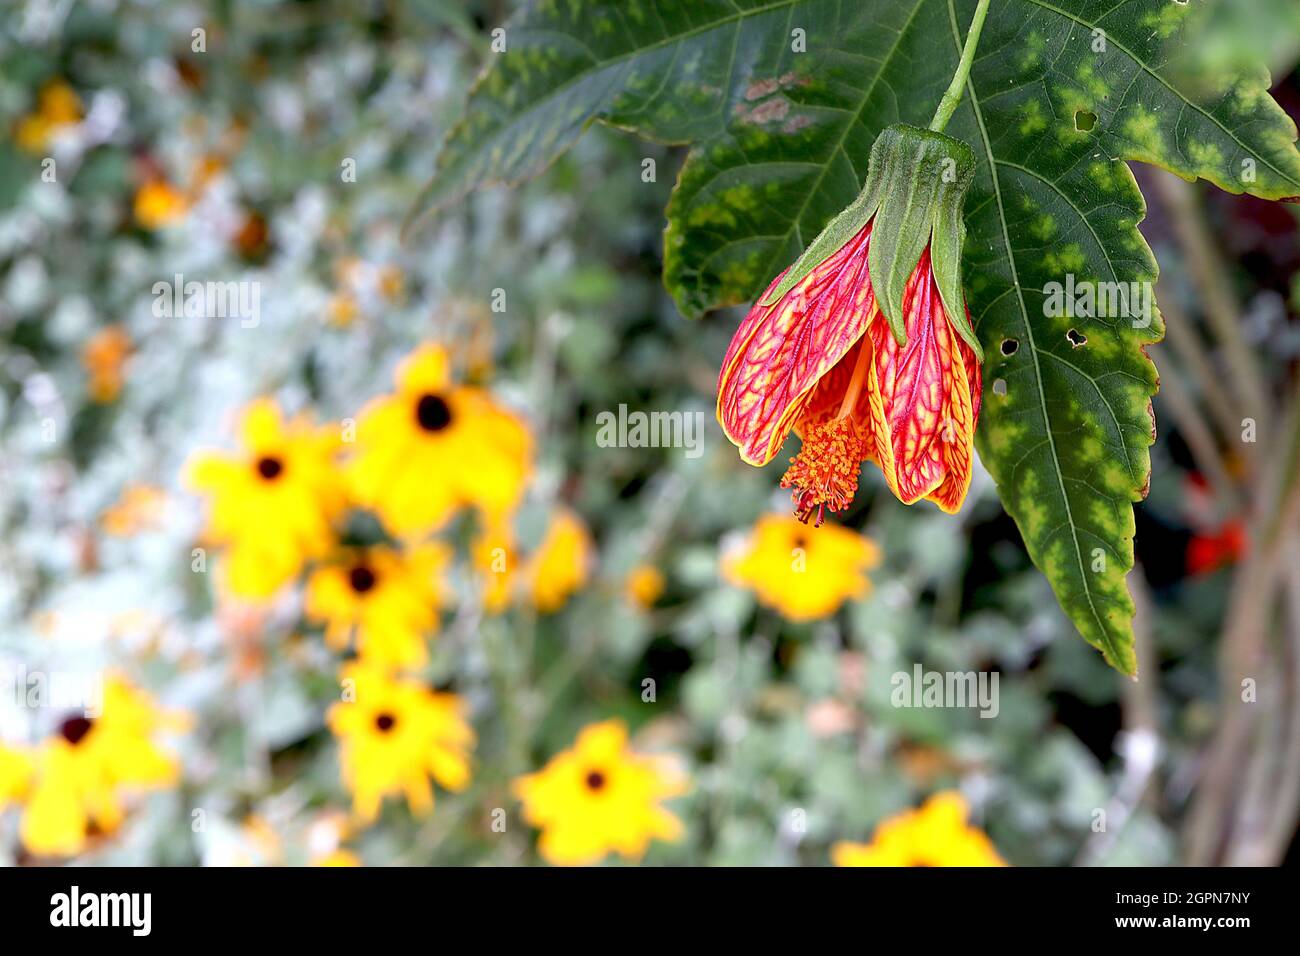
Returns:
(338, 858)
(140, 508)
(273, 505)
(561, 564)
(392, 283)
(495, 556)
(342, 310)
(935, 835)
(262, 840)
(598, 797)
(56, 107)
(15, 774)
(394, 735)
(804, 573)
(644, 585)
(82, 773)
(544, 579)
(159, 204)
(434, 447)
(389, 598)
(103, 356)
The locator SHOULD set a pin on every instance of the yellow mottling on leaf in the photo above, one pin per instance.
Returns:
(1066, 259)
(1032, 119)
(1003, 437)
(1059, 562)
(1205, 156)
(1032, 511)
(1044, 227)
(1103, 174)
(740, 197)
(1166, 19)
(1115, 479)
(1033, 49)
(710, 214)
(1143, 128)
(1089, 449)
(737, 279)
(1090, 81)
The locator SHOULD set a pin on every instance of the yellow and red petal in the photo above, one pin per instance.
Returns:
(961, 411)
(828, 396)
(780, 352)
(921, 400)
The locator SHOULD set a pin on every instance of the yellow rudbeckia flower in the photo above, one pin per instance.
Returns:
(803, 574)
(394, 735)
(82, 773)
(562, 562)
(15, 775)
(545, 579)
(935, 835)
(599, 797)
(388, 598)
(433, 447)
(273, 505)
(495, 555)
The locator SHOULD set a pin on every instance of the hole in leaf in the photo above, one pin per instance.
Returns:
(1000, 386)
(1084, 120)
(1009, 346)
(1076, 338)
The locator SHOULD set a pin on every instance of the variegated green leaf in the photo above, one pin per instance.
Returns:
(782, 100)
(1062, 94)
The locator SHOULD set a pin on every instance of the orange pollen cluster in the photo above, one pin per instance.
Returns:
(825, 472)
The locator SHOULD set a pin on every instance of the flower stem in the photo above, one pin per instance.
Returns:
(952, 96)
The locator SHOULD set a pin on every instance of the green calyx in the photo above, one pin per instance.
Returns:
(916, 186)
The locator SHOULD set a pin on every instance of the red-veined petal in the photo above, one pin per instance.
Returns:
(921, 400)
(780, 352)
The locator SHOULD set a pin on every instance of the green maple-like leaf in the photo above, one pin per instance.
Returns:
(781, 101)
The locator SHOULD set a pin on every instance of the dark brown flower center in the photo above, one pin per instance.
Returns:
(269, 467)
(361, 578)
(385, 722)
(595, 780)
(432, 413)
(75, 728)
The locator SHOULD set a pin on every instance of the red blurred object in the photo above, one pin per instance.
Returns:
(1209, 552)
